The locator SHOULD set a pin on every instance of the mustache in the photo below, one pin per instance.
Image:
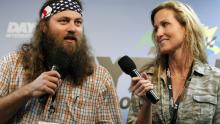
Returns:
(71, 36)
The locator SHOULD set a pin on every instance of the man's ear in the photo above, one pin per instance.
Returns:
(43, 27)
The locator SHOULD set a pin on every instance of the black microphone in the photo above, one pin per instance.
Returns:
(56, 59)
(129, 67)
(43, 99)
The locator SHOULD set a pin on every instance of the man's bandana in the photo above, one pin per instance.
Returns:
(60, 6)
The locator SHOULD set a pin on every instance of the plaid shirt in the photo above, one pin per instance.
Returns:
(200, 103)
(95, 101)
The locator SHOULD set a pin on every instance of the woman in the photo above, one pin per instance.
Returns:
(187, 86)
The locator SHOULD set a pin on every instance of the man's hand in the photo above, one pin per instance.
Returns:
(47, 82)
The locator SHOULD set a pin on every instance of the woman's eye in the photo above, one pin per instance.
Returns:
(164, 24)
(155, 29)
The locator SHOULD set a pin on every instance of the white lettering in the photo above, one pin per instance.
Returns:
(22, 27)
(12, 27)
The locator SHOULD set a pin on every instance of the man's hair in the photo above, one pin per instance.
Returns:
(194, 44)
(34, 54)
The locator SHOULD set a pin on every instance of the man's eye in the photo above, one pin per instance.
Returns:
(63, 21)
(78, 22)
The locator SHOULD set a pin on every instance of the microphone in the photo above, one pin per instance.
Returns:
(129, 67)
(56, 59)
(43, 99)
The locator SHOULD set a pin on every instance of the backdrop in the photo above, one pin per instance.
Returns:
(114, 28)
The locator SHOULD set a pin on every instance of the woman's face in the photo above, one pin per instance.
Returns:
(169, 33)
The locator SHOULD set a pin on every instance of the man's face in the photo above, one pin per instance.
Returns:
(66, 28)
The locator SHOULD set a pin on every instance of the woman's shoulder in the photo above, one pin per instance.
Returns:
(213, 70)
(206, 69)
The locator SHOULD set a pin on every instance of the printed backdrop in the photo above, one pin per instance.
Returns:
(114, 28)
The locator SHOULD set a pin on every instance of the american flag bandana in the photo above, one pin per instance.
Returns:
(60, 6)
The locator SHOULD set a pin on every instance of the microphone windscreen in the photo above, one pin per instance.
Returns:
(126, 64)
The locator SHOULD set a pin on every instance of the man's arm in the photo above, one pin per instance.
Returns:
(11, 103)
(47, 82)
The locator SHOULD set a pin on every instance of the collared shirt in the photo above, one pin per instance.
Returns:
(200, 103)
(95, 101)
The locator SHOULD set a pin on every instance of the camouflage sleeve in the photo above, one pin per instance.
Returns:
(216, 119)
(135, 106)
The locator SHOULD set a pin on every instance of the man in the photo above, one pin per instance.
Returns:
(53, 78)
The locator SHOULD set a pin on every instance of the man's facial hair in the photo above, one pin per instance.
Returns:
(72, 65)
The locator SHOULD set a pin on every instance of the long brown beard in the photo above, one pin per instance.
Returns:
(73, 65)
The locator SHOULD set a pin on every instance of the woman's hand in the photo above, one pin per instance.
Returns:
(140, 85)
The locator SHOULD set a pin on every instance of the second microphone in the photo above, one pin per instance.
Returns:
(128, 66)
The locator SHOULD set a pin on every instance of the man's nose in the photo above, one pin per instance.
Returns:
(71, 26)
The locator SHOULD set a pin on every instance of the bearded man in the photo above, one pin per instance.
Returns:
(53, 79)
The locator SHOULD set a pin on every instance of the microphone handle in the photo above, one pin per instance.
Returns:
(43, 99)
(150, 94)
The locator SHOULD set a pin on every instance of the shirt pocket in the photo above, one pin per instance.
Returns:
(82, 110)
(204, 107)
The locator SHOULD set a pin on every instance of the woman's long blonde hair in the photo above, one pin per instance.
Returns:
(194, 44)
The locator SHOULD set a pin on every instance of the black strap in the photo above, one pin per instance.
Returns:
(173, 107)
